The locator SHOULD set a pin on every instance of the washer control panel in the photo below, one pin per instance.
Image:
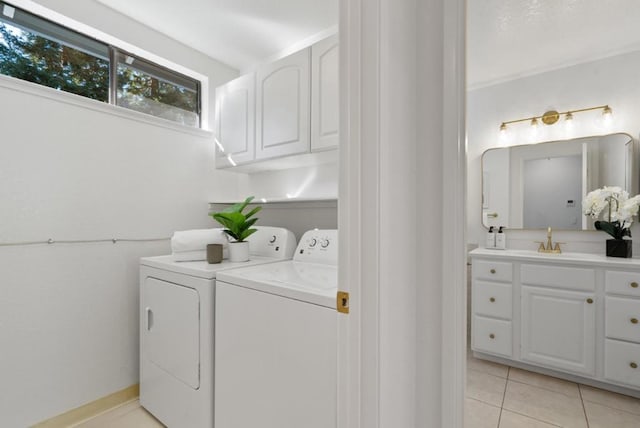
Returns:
(272, 242)
(318, 246)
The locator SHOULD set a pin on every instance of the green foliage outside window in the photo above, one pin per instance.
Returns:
(30, 57)
(34, 58)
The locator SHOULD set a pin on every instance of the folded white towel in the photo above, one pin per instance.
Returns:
(189, 256)
(197, 239)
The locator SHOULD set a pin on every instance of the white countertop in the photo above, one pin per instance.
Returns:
(574, 258)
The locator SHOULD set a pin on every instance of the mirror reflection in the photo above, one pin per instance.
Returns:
(540, 185)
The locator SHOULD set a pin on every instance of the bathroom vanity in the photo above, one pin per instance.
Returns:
(572, 315)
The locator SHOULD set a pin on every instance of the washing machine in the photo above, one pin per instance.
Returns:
(177, 329)
(276, 340)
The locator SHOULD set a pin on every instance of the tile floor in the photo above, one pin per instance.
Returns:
(497, 397)
(505, 397)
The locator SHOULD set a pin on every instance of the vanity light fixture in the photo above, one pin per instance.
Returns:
(551, 117)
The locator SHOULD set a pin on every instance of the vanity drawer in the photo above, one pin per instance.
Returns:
(622, 318)
(492, 299)
(492, 271)
(571, 278)
(625, 283)
(622, 362)
(492, 336)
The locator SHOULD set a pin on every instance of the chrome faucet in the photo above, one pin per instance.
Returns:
(549, 248)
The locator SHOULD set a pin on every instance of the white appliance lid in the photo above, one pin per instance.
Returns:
(201, 269)
(307, 282)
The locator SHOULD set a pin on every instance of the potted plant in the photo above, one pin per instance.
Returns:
(619, 210)
(238, 226)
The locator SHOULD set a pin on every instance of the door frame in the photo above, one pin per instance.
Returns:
(427, 387)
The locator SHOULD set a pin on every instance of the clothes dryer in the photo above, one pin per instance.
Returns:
(276, 340)
(177, 329)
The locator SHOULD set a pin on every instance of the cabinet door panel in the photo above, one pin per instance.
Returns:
(235, 122)
(558, 329)
(325, 111)
(283, 107)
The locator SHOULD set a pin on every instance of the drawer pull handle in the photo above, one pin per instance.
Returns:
(634, 320)
(633, 365)
(634, 285)
(494, 271)
(589, 300)
(492, 336)
(493, 299)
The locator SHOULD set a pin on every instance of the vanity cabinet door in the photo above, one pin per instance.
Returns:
(558, 329)
(235, 122)
(283, 107)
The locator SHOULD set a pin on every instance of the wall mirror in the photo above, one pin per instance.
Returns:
(535, 186)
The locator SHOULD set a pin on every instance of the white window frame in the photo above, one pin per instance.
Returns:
(87, 30)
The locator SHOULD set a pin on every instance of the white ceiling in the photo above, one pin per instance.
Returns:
(239, 33)
(506, 39)
(513, 38)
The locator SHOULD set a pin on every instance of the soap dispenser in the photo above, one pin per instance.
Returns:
(491, 238)
(501, 239)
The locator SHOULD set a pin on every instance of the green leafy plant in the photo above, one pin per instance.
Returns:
(238, 225)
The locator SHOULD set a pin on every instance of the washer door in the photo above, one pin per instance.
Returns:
(171, 329)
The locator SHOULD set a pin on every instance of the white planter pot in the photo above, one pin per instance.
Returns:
(239, 251)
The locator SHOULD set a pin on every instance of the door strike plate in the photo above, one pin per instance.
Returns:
(342, 302)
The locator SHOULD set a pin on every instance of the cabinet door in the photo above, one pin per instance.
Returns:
(235, 122)
(282, 109)
(325, 104)
(558, 329)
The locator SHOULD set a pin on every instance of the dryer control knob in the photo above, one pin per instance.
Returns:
(325, 243)
(273, 239)
(313, 242)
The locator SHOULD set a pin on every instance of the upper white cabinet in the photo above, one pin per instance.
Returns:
(283, 117)
(288, 107)
(325, 114)
(235, 122)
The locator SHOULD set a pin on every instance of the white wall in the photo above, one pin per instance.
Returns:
(614, 81)
(68, 313)
(319, 181)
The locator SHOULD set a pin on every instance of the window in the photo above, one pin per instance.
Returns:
(43, 52)
(149, 88)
